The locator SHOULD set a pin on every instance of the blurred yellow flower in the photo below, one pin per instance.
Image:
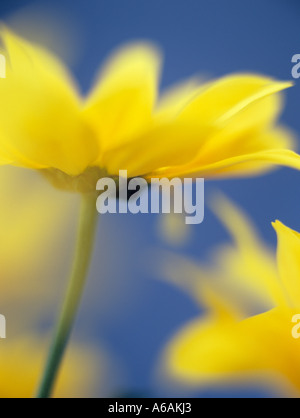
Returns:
(21, 361)
(222, 128)
(246, 333)
(36, 223)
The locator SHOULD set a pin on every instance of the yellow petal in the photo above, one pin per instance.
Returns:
(235, 285)
(227, 119)
(236, 222)
(260, 348)
(250, 266)
(220, 306)
(202, 285)
(242, 275)
(175, 99)
(288, 257)
(41, 124)
(246, 157)
(205, 351)
(250, 97)
(121, 104)
(5, 156)
(162, 145)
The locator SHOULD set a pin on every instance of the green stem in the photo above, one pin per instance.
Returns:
(83, 253)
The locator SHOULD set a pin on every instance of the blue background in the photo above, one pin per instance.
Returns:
(135, 314)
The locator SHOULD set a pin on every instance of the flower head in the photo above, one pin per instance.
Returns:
(225, 127)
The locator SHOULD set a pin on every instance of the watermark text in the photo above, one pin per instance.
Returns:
(166, 195)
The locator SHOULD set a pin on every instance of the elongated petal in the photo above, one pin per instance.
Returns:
(201, 283)
(250, 266)
(250, 99)
(288, 257)
(260, 158)
(121, 104)
(227, 143)
(40, 120)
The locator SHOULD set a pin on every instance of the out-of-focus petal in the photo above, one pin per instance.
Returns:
(249, 264)
(212, 131)
(201, 284)
(239, 164)
(121, 104)
(243, 273)
(248, 99)
(174, 99)
(21, 362)
(288, 257)
(41, 124)
(173, 229)
(260, 348)
(161, 145)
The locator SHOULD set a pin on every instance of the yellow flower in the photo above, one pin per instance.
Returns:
(225, 127)
(21, 361)
(246, 334)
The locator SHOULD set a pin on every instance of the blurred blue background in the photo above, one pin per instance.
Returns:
(134, 314)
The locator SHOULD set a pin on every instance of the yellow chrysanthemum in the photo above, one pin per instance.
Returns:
(235, 341)
(223, 128)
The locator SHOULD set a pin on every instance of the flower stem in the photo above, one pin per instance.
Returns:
(83, 253)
